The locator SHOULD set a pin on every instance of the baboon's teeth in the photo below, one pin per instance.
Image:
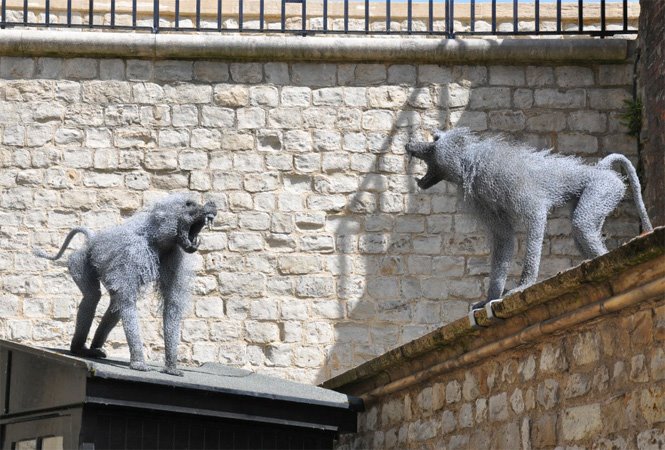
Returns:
(209, 223)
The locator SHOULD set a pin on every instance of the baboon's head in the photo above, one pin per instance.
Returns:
(178, 219)
(442, 156)
(427, 151)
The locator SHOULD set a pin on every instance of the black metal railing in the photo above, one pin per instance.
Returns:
(417, 17)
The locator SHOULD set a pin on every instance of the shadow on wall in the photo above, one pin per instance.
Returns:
(401, 252)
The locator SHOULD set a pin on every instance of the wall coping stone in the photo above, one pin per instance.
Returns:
(625, 269)
(416, 49)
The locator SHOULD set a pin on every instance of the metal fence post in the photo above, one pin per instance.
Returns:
(155, 17)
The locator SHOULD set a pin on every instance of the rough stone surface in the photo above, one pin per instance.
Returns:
(557, 406)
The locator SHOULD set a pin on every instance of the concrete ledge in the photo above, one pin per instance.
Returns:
(296, 48)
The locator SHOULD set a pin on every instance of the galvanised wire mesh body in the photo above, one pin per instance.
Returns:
(447, 18)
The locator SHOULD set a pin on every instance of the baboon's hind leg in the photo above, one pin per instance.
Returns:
(109, 321)
(596, 202)
(86, 278)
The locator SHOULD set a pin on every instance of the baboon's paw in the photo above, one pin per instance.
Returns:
(477, 305)
(173, 371)
(139, 366)
(88, 352)
(96, 353)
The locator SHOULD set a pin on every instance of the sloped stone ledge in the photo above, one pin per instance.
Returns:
(636, 270)
(297, 48)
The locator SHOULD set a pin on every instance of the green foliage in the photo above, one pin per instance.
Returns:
(632, 118)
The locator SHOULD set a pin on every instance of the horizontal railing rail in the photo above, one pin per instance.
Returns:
(448, 18)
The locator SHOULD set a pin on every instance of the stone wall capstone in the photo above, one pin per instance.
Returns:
(325, 253)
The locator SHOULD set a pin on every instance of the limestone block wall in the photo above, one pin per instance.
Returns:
(325, 253)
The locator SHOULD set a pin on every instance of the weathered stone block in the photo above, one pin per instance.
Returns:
(553, 98)
(543, 431)
(498, 407)
(231, 95)
(211, 71)
(581, 422)
(506, 76)
(572, 76)
(490, 98)
(246, 72)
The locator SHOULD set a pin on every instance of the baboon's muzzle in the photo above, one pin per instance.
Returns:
(189, 236)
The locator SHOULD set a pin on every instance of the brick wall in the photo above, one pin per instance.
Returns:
(325, 253)
(652, 87)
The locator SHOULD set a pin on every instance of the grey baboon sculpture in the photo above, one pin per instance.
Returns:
(149, 248)
(508, 184)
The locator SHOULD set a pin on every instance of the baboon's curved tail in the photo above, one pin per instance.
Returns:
(606, 163)
(68, 239)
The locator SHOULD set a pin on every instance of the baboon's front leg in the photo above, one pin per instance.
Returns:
(503, 248)
(130, 323)
(535, 234)
(172, 317)
(174, 281)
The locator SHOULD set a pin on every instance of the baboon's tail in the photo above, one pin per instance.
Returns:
(68, 239)
(606, 163)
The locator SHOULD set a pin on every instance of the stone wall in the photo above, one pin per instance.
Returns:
(558, 380)
(598, 387)
(652, 93)
(325, 253)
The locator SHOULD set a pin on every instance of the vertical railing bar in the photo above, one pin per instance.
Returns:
(325, 16)
(262, 7)
(91, 13)
(304, 17)
(430, 21)
(177, 14)
(25, 12)
(446, 22)
(452, 19)
(493, 16)
(472, 15)
(602, 17)
(133, 13)
(219, 15)
(47, 12)
(155, 16)
(241, 14)
(198, 15)
(515, 12)
(346, 16)
(409, 15)
(388, 16)
(558, 16)
(283, 15)
(537, 14)
(3, 11)
(580, 15)
(367, 16)
(69, 13)
(112, 13)
(625, 15)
